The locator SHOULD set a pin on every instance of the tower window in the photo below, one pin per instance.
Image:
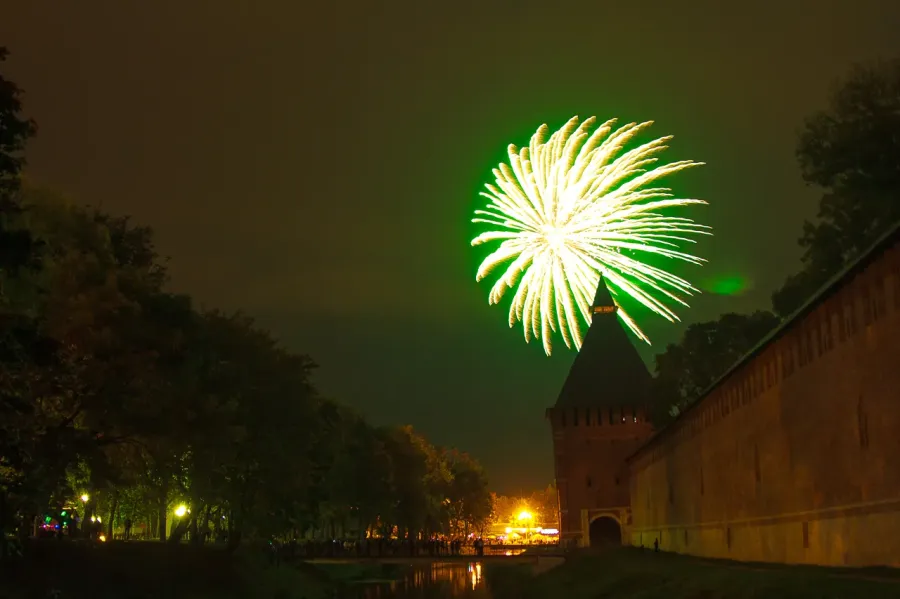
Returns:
(587, 481)
(587, 417)
(611, 420)
(562, 418)
(574, 416)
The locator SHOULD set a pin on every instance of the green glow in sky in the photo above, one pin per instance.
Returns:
(728, 285)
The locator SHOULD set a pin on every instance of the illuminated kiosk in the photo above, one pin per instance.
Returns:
(599, 419)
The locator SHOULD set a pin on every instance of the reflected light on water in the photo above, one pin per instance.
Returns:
(475, 574)
(437, 580)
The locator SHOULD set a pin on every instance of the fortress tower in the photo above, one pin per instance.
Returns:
(600, 418)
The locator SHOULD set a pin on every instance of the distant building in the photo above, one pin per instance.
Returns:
(600, 418)
(793, 455)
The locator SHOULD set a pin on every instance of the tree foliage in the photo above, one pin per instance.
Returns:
(15, 131)
(118, 389)
(851, 150)
(114, 388)
(705, 352)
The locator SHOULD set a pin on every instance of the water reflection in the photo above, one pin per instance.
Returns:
(434, 581)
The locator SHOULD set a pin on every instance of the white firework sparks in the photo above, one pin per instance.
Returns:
(574, 207)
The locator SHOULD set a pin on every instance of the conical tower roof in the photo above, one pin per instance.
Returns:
(607, 372)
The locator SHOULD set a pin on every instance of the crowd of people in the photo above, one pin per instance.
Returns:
(376, 547)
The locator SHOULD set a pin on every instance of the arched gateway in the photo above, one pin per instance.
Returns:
(605, 532)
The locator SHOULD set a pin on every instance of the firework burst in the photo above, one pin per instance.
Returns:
(573, 207)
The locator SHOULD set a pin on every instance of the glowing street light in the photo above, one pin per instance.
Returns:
(85, 498)
(525, 516)
(181, 510)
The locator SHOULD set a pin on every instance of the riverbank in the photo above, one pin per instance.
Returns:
(146, 570)
(631, 574)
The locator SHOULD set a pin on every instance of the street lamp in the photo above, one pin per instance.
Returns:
(179, 513)
(525, 516)
(83, 521)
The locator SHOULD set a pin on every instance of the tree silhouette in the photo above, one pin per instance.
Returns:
(852, 151)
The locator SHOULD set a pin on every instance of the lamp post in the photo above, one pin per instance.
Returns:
(84, 511)
(179, 513)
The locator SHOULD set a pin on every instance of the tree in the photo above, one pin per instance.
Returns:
(15, 131)
(414, 480)
(469, 500)
(74, 362)
(111, 386)
(852, 151)
(705, 352)
(545, 504)
(358, 482)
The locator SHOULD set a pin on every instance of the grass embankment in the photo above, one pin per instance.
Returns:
(157, 571)
(629, 573)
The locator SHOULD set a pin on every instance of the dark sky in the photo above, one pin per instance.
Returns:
(317, 166)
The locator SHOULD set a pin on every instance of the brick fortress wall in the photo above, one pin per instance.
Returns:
(795, 456)
(590, 448)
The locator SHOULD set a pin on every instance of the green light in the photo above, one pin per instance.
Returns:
(728, 285)
(47, 519)
(63, 514)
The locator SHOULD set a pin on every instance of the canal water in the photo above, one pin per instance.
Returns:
(433, 581)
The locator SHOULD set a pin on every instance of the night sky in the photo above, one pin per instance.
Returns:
(318, 166)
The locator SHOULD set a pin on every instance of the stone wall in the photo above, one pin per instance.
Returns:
(795, 455)
(590, 448)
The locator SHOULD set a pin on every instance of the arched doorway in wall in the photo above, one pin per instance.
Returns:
(605, 532)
